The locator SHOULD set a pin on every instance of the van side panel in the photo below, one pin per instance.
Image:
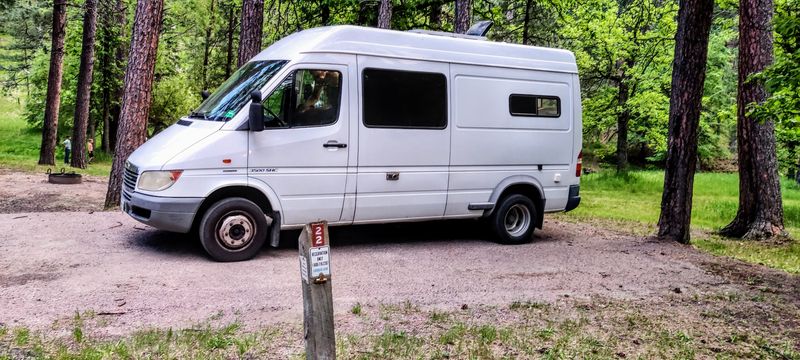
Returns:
(489, 144)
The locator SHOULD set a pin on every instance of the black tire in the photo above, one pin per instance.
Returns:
(233, 229)
(514, 220)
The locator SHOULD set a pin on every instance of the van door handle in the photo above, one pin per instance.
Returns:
(334, 144)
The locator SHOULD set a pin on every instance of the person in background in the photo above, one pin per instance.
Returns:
(67, 149)
(90, 149)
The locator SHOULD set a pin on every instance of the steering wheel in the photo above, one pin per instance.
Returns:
(279, 121)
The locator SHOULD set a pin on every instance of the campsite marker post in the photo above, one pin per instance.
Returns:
(315, 271)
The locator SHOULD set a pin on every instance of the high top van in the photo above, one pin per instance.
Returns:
(358, 125)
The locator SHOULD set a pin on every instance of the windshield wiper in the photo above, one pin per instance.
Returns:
(198, 115)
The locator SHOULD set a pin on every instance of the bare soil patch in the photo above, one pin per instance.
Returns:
(25, 192)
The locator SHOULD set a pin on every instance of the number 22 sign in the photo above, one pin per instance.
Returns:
(318, 236)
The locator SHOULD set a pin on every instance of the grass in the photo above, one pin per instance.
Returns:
(356, 309)
(631, 201)
(199, 342)
(592, 328)
(19, 145)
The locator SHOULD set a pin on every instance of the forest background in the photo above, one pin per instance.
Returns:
(624, 50)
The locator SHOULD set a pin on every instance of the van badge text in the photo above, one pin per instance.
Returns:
(263, 170)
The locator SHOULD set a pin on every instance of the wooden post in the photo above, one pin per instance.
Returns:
(315, 271)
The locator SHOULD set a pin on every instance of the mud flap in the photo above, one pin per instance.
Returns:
(540, 214)
(275, 229)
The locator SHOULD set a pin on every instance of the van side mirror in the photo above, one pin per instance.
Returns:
(256, 120)
(205, 94)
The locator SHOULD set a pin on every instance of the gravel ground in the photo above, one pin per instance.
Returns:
(130, 276)
(55, 264)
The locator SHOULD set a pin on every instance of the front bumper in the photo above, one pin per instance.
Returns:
(164, 213)
(574, 197)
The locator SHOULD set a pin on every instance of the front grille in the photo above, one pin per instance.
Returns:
(129, 181)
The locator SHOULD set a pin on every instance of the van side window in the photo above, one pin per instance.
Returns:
(534, 105)
(306, 98)
(275, 105)
(404, 99)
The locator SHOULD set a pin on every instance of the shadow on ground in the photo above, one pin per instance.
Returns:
(445, 231)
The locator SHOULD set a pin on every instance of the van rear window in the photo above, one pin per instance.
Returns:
(534, 105)
(404, 99)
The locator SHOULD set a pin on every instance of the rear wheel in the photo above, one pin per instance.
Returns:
(233, 229)
(513, 220)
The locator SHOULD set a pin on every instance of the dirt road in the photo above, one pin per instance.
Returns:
(56, 264)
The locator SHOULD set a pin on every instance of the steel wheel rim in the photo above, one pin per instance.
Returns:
(517, 220)
(235, 230)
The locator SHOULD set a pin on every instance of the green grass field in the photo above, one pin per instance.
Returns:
(632, 202)
(19, 145)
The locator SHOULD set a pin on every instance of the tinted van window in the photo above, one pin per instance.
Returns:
(404, 99)
(534, 105)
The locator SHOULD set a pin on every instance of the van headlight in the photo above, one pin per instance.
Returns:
(158, 180)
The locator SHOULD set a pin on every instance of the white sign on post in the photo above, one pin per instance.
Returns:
(304, 269)
(320, 261)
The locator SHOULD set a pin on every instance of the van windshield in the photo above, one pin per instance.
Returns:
(234, 93)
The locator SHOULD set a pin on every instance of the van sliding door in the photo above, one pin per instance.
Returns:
(403, 140)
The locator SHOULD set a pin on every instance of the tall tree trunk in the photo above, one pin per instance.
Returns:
(231, 28)
(463, 15)
(385, 14)
(105, 141)
(250, 36)
(526, 22)
(91, 130)
(121, 53)
(688, 77)
(760, 213)
(137, 91)
(325, 14)
(106, 34)
(82, 99)
(623, 117)
(363, 13)
(207, 46)
(435, 16)
(47, 151)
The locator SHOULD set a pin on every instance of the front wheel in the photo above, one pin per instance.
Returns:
(233, 229)
(513, 220)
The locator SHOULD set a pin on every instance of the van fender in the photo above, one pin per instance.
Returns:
(267, 190)
(510, 181)
(273, 217)
(277, 209)
(235, 181)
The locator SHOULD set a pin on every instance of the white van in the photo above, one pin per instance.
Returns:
(361, 125)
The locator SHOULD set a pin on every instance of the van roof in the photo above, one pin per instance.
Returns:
(346, 39)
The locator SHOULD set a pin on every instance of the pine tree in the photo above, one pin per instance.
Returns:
(760, 213)
(47, 150)
(250, 36)
(82, 104)
(138, 87)
(688, 77)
